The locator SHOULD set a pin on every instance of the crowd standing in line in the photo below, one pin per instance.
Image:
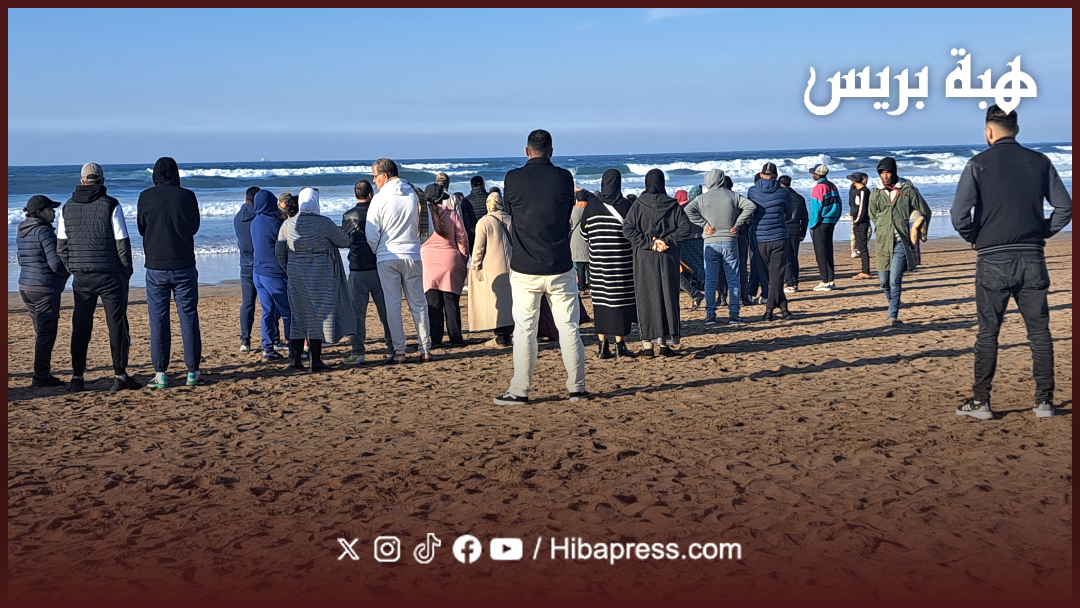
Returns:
(535, 249)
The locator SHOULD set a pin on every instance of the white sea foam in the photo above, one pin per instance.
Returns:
(446, 167)
(275, 172)
(1060, 158)
(740, 167)
(1069, 148)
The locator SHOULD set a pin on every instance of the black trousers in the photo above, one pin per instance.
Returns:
(792, 274)
(822, 235)
(43, 304)
(862, 244)
(444, 305)
(1022, 276)
(112, 288)
(503, 335)
(582, 274)
(774, 260)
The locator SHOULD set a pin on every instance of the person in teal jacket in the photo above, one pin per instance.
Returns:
(825, 210)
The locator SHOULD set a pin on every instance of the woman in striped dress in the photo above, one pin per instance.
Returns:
(307, 248)
(611, 265)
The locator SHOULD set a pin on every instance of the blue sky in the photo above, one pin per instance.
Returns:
(235, 85)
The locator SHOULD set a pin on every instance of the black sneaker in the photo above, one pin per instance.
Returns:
(976, 409)
(49, 381)
(510, 399)
(128, 383)
(896, 323)
(271, 355)
(735, 321)
(76, 385)
(698, 299)
(710, 320)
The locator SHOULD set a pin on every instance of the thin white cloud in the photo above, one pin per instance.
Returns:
(652, 14)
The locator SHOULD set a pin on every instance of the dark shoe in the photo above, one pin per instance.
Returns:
(510, 399)
(76, 385)
(896, 322)
(271, 355)
(128, 383)
(319, 366)
(622, 351)
(296, 356)
(604, 351)
(698, 299)
(786, 315)
(392, 361)
(735, 321)
(768, 316)
(648, 353)
(976, 409)
(49, 381)
(666, 351)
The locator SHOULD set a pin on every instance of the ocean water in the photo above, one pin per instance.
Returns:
(220, 186)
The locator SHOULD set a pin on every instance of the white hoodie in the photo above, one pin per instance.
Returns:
(393, 222)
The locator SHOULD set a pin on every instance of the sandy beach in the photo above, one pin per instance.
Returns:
(826, 446)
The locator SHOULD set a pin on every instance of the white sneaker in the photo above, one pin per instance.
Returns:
(1043, 409)
(976, 409)
(821, 287)
(245, 347)
(790, 289)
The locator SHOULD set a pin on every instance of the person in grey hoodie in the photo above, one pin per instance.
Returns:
(720, 212)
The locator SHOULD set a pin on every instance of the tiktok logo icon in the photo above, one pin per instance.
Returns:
(425, 551)
(467, 549)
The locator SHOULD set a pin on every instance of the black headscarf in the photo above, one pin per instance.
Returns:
(611, 193)
(889, 164)
(654, 182)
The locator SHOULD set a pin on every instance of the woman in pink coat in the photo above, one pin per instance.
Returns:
(443, 256)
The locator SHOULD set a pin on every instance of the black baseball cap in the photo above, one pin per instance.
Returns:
(40, 201)
(770, 168)
(858, 176)
(434, 193)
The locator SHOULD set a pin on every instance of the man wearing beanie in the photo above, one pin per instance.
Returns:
(825, 209)
(998, 208)
(891, 205)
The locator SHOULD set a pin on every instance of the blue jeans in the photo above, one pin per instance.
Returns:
(248, 296)
(274, 299)
(183, 285)
(890, 279)
(723, 255)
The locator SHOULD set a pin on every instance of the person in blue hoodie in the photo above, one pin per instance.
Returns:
(42, 276)
(248, 294)
(270, 279)
(772, 211)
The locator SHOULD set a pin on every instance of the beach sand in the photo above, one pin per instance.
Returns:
(826, 446)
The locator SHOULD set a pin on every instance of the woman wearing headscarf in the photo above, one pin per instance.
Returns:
(611, 264)
(655, 226)
(490, 298)
(443, 257)
(307, 248)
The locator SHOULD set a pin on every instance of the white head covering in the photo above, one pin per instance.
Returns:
(309, 201)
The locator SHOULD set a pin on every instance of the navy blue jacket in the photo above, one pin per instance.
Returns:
(264, 233)
(242, 226)
(772, 211)
(39, 264)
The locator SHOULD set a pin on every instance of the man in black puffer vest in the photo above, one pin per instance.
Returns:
(42, 276)
(92, 240)
(998, 208)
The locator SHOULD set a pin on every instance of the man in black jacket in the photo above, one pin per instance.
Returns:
(998, 208)
(477, 197)
(364, 280)
(539, 199)
(168, 218)
(859, 208)
(796, 228)
(92, 240)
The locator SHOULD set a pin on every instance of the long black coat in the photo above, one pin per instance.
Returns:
(656, 275)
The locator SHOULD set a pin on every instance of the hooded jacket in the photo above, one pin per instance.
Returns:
(998, 203)
(825, 205)
(242, 227)
(92, 234)
(392, 227)
(39, 263)
(891, 218)
(264, 235)
(168, 218)
(719, 208)
(772, 212)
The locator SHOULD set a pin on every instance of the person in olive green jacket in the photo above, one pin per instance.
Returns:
(891, 205)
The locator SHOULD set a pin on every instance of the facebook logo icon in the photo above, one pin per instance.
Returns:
(467, 549)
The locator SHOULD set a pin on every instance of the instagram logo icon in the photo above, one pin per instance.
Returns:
(387, 549)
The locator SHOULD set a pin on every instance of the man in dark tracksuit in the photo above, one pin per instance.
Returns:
(858, 206)
(92, 240)
(998, 208)
(364, 280)
(796, 227)
(42, 276)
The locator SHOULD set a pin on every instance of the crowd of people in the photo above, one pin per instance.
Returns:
(526, 256)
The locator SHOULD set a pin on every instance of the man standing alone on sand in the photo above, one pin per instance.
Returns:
(364, 281)
(92, 240)
(998, 208)
(168, 218)
(539, 200)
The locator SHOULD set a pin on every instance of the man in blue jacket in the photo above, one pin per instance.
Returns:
(998, 208)
(772, 211)
(269, 277)
(248, 295)
(42, 276)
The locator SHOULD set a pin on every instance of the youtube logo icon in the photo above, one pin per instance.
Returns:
(506, 549)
